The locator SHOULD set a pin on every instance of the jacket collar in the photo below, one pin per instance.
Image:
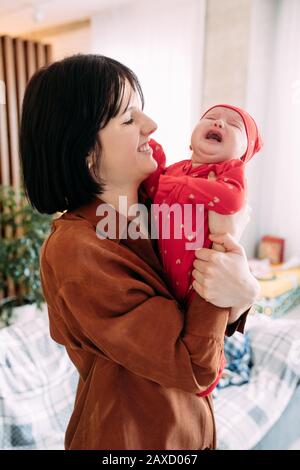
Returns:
(90, 211)
(145, 248)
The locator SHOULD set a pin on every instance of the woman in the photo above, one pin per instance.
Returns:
(141, 359)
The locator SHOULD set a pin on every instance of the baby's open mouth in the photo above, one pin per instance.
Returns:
(214, 135)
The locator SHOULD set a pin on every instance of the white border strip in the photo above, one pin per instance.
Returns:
(2, 92)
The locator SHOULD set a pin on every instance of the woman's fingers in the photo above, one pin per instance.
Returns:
(223, 279)
(202, 267)
(198, 276)
(228, 242)
(204, 254)
(199, 289)
(200, 284)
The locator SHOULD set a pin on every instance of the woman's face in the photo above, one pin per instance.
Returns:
(126, 158)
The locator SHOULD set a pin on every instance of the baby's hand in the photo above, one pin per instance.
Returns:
(212, 176)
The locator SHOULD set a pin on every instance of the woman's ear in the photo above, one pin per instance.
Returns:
(89, 159)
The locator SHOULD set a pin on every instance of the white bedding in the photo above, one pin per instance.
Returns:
(244, 414)
(38, 382)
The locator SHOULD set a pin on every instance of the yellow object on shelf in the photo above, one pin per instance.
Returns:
(281, 282)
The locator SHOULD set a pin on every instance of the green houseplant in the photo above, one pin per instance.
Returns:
(23, 231)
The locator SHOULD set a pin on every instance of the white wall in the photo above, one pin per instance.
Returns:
(252, 60)
(163, 42)
(71, 42)
(228, 78)
(184, 68)
(274, 69)
(261, 52)
(226, 52)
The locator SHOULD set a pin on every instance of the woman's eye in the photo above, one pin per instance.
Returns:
(129, 122)
(234, 125)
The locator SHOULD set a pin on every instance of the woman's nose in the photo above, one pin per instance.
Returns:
(148, 126)
(219, 123)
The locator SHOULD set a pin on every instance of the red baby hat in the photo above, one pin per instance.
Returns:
(255, 142)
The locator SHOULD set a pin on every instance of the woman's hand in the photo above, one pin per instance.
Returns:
(224, 279)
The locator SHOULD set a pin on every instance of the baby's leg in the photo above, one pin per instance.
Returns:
(234, 224)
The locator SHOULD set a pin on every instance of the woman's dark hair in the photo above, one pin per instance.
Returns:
(64, 107)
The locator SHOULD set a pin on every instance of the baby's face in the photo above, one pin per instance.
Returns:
(220, 135)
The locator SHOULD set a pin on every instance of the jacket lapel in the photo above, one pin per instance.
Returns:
(144, 248)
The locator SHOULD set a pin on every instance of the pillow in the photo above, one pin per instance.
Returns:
(275, 342)
(238, 360)
(245, 413)
(37, 386)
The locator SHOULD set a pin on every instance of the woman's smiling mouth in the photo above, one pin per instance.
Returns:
(145, 148)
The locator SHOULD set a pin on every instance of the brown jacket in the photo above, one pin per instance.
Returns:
(140, 357)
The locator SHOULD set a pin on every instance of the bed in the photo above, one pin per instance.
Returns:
(38, 383)
(255, 415)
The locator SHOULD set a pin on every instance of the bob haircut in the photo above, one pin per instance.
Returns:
(64, 107)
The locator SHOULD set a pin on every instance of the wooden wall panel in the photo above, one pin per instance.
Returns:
(12, 112)
(40, 55)
(4, 150)
(19, 60)
(20, 72)
(30, 59)
(49, 50)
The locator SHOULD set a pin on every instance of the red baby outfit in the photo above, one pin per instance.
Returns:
(181, 184)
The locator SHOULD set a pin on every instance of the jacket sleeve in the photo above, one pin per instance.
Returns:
(238, 325)
(109, 310)
(225, 194)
